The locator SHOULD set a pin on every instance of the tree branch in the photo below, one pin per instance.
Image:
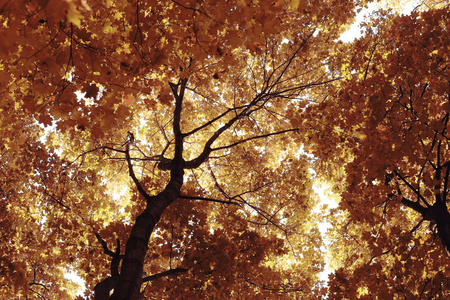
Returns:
(209, 199)
(179, 95)
(116, 257)
(216, 183)
(444, 193)
(424, 211)
(211, 121)
(165, 273)
(104, 287)
(284, 288)
(196, 162)
(104, 245)
(412, 188)
(417, 226)
(253, 138)
(133, 176)
(369, 61)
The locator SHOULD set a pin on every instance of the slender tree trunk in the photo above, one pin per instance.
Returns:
(130, 278)
(127, 284)
(131, 273)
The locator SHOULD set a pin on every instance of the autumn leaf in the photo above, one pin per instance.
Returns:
(169, 149)
(393, 183)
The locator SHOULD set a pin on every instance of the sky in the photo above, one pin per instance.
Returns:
(354, 32)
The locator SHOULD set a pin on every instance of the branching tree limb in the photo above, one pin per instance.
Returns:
(165, 273)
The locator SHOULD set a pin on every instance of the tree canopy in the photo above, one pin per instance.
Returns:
(171, 149)
(387, 123)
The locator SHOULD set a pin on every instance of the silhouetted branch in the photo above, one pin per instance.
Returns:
(444, 193)
(133, 176)
(178, 92)
(165, 273)
(104, 288)
(417, 207)
(375, 256)
(116, 257)
(254, 138)
(412, 188)
(212, 121)
(417, 226)
(283, 288)
(104, 245)
(209, 199)
(216, 182)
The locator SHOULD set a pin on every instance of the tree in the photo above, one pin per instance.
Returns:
(171, 118)
(387, 125)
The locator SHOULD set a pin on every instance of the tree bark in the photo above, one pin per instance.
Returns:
(442, 220)
(131, 273)
(437, 214)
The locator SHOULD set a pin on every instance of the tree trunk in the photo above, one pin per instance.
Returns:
(442, 220)
(437, 214)
(130, 279)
